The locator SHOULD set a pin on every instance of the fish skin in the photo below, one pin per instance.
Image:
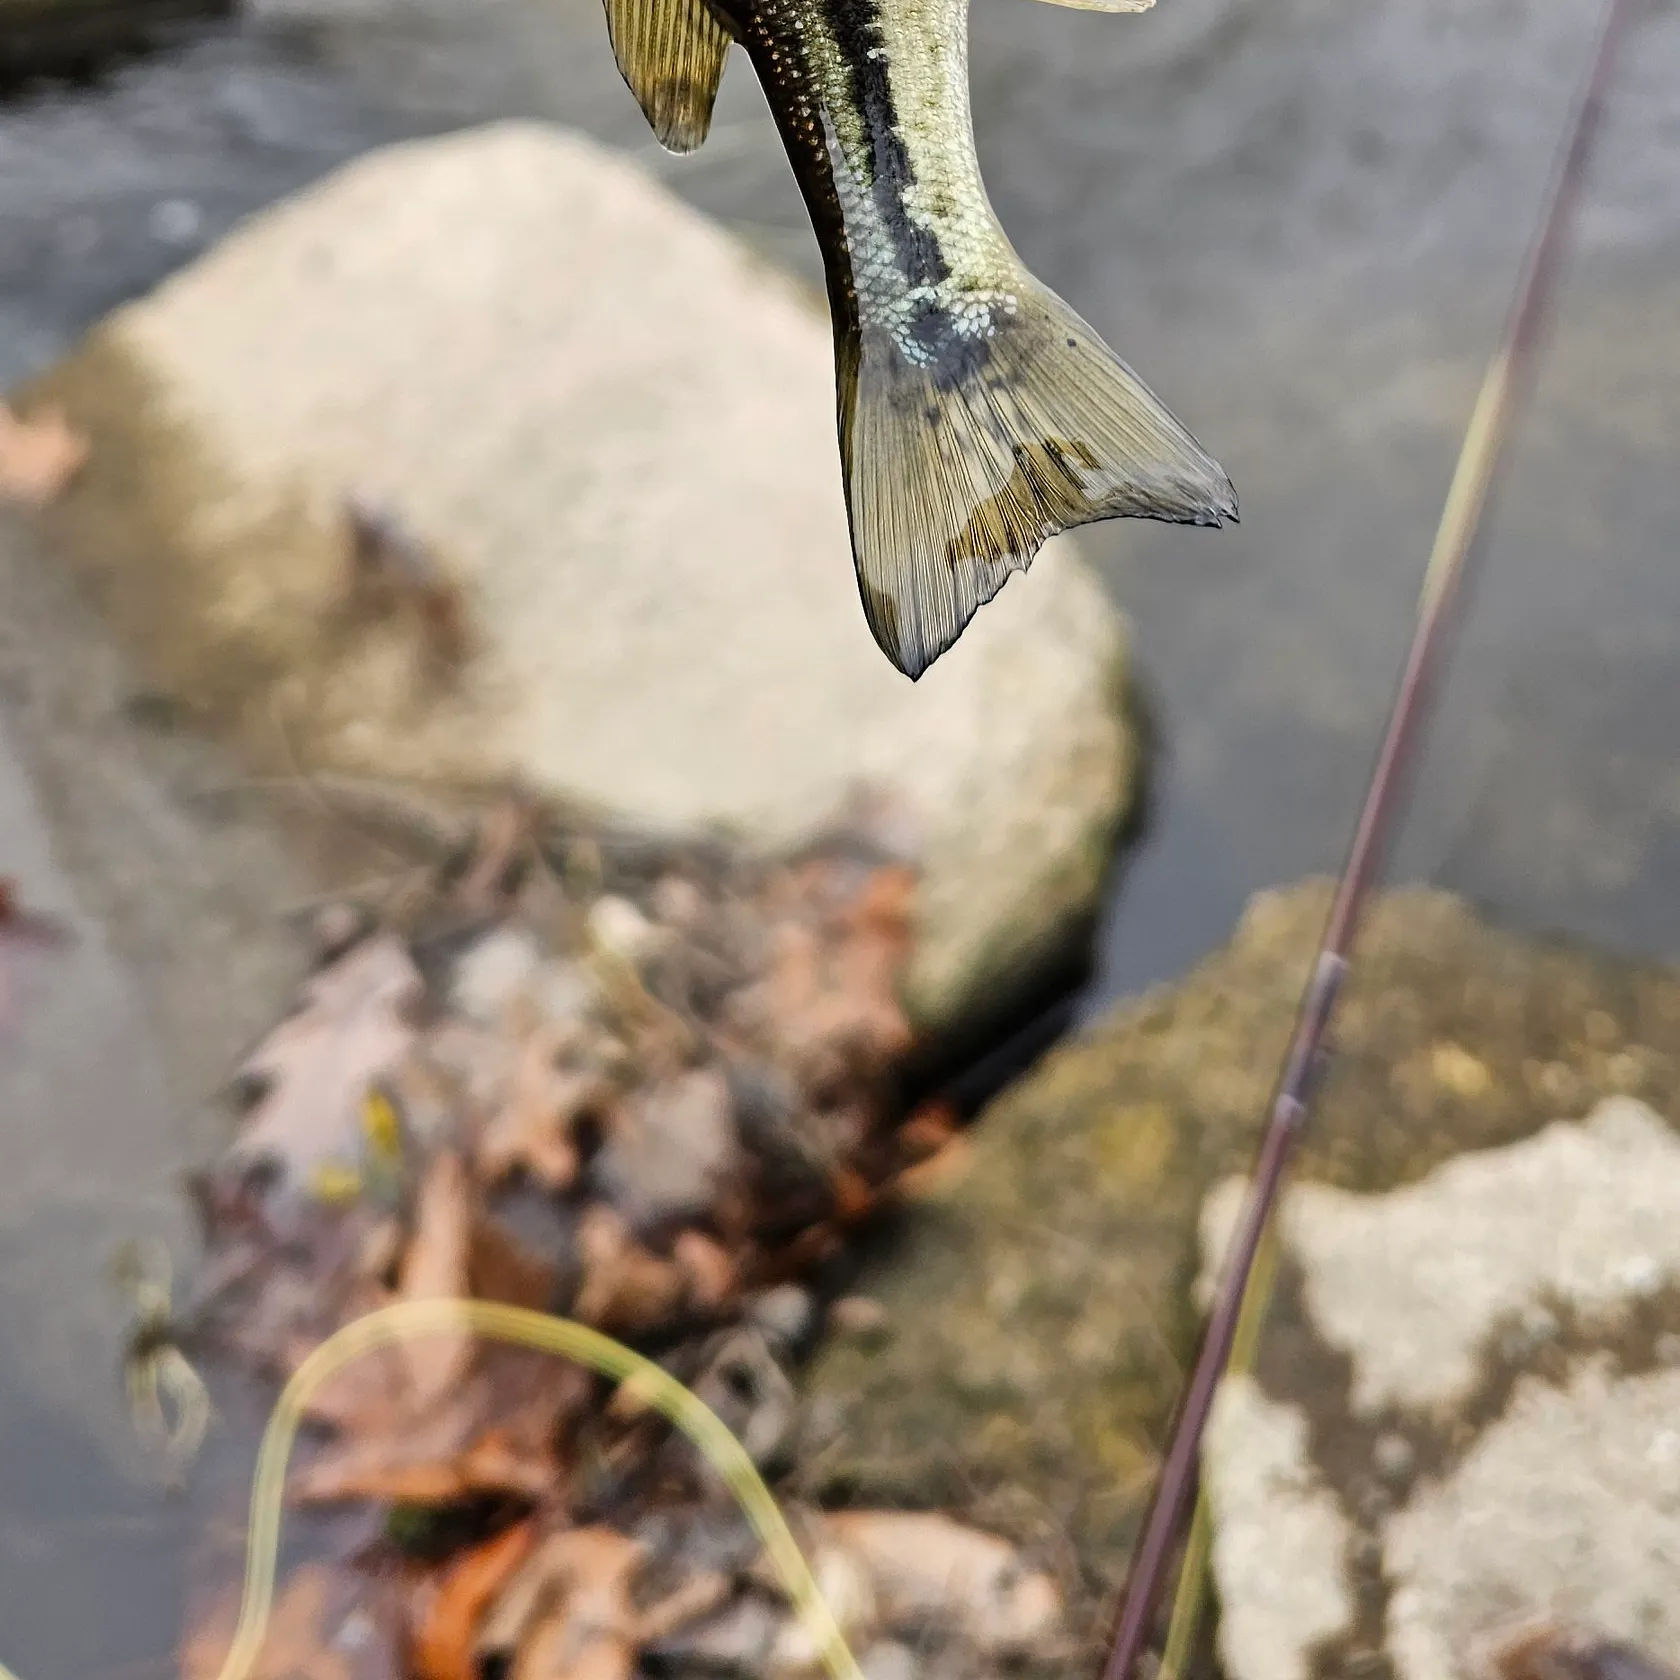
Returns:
(978, 414)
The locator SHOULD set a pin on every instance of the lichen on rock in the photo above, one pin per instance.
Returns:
(1042, 1304)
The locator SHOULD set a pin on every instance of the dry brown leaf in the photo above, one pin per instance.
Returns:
(827, 1004)
(39, 456)
(322, 1628)
(930, 1127)
(844, 1581)
(815, 1246)
(794, 982)
(926, 1570)
(936, 1175)
(560, 1651)
(497, 1433)
(438, 1460)
(696, 1597)
(568, 1614)
(504, 1269)
(436, 1268)
(625, 1288)
(320, 1064)
(272, 1289)
(711, 1273)
(443, 1640)
(366, 1393)
(533, 1128)
(476, 1063)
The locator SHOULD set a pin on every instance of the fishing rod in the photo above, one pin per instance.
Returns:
(1241, 1300)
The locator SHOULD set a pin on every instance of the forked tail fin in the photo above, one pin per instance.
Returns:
(962, 459)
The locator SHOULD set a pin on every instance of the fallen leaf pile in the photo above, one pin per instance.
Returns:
(647, 1087)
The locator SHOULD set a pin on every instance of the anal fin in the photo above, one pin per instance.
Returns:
(671, 53)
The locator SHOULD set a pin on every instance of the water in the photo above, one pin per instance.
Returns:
(1300, 220)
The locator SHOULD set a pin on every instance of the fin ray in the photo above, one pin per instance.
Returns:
(960, 465)
(671, 53)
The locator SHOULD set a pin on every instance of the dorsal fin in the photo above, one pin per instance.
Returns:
(671, 52)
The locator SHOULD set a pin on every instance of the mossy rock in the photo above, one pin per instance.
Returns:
(1040, 1301)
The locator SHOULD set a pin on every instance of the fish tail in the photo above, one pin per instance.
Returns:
(964, 450)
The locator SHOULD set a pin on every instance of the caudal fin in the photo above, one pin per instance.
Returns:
(962, 458)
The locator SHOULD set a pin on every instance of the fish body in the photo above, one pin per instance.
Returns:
(978, 414)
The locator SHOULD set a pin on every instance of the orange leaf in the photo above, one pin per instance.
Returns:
(443, 1642)
(928, 1129)
(853, 1198)
(38, 456)
(938, 1173)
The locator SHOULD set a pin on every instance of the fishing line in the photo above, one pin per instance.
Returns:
(1240, 1305)
(566, 1339)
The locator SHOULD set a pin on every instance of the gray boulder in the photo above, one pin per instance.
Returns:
(590, 442)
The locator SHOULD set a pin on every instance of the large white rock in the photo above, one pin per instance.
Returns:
(1510, 1327)
(1278, 1530)
(615, 429)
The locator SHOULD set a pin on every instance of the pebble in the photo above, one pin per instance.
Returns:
(175, 221)
(751, 1393)
(491, 973)
(621, 928)
(888, 1659)
(783, 1315)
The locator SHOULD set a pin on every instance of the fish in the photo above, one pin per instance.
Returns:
(978, 414)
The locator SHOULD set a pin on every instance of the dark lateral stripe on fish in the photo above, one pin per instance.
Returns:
(858, 35)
